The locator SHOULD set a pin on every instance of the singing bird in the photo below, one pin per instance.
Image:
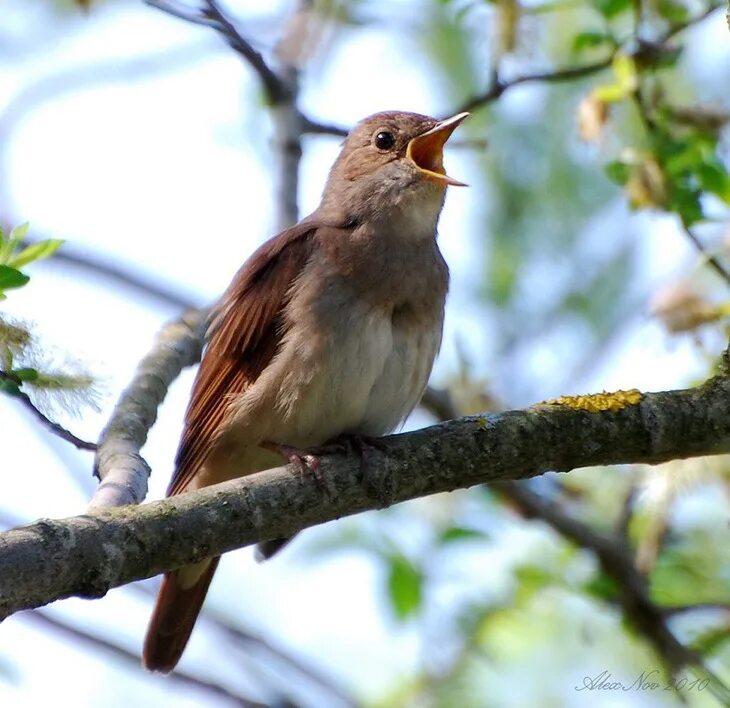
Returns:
(330, 328)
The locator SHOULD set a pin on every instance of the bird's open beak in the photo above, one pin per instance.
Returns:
(426, 150)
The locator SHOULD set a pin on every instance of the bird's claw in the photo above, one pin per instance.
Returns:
(305, 462)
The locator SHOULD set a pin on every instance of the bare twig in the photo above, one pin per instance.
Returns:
(718, 267)
(681, 609)
(281, 88)
(212, 15)
(122, 470)
(498, 87)
(275, 88)
(58, 430)
(317, 128)
(633, 592)
(132, 658)
(85, 259)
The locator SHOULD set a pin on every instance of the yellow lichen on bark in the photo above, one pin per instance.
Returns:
(598, 402)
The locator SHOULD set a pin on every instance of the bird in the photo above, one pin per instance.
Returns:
(329, 329)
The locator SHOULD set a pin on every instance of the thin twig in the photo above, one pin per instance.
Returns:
(681, 609)
(172, 9)
(85, 259)
(498, 87)
(54, 427)
(708, 257)
(633, 594)
(613, 554)
(213, 16)
(47, 620)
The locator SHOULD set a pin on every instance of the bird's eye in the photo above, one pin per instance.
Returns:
(384, 140)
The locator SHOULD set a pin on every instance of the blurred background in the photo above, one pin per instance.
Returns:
(596, 153)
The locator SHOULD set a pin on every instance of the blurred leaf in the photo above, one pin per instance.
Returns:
(713, 178)
(405, 586)
(590, 40)
(612, 8)
(531, 578)
(625, 73)
(602, 587)
(10, 387)
(618, 172)
(505, 267)
(460, 533)
(672, 11)
(35, 252)
(691, 570)
(11, 278)
(592, 116)
(7, 246)
(711, 641)
(686, 203)
(25, 374)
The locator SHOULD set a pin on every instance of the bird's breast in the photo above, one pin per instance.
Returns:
(351, 360)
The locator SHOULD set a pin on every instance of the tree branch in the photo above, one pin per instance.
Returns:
(57, 429)
(132, 658)
(712, 260)
(647, 618)
(613, 554)
(498, 87)
(122, 470)
(87, 555)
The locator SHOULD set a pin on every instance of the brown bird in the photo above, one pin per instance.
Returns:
(330, 328)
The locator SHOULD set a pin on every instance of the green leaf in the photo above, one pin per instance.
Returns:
(612, 8)
(711, 641)
(589, 40)
(19, 232)
(460, 533)
(672, 11)
(11, 278)
(713, 177)
(602, 587)
(10, 387)
(685, 202)
(618, 172)
(26, 374)
(405, 586)
(14, 239)
(36, 251)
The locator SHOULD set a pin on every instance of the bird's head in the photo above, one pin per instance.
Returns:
(392, 162)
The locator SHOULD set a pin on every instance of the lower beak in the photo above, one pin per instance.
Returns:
(426, 150)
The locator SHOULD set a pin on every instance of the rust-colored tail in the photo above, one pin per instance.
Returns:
(178, 605)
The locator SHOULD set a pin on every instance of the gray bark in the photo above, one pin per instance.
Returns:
(87, 555)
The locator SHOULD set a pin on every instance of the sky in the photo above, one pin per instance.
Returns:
(166, 173)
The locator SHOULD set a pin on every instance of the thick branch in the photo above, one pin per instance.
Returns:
(87, 555)
(119, 466)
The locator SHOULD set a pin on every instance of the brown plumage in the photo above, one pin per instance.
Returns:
(330, 328)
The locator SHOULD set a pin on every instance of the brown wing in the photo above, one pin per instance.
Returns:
(243, 338)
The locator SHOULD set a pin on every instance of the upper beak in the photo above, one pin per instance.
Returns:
(426, 150)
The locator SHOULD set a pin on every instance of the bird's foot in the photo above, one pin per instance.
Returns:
(306, 461)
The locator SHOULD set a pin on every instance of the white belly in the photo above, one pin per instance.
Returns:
(365, 377)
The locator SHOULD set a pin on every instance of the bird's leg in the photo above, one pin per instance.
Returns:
(305, 461)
